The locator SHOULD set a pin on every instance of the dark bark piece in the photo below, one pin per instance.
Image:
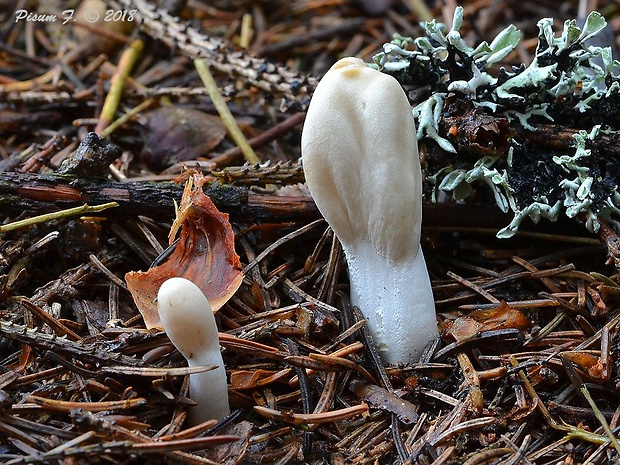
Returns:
(39, 193)
(91, 158)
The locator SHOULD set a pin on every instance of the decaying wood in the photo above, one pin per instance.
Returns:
(36, 193)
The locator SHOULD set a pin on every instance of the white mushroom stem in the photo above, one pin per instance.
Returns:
(396, 300)
(361, 162)
(188, 320)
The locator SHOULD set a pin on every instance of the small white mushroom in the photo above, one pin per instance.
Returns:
(360, 158)
(188, 320)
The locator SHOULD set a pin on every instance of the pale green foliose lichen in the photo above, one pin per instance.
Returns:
(564, 69)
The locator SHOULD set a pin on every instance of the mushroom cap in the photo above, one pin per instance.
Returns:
(360, 158)
(187, 318)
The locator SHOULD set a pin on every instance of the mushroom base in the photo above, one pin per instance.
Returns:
(210, 391)
(397, 301)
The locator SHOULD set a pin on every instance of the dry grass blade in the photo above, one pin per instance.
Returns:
(157, 372)
(65, 406)
(183, 444)
(84, 209)
(298, 419)
(463, 426)
(224, 112)
(117, 83)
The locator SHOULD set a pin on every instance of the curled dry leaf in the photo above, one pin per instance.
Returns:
(205, 254)
(253, 379)
(478, 321)
(589, 363)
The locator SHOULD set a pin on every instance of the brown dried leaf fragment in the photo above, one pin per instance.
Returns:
(467, 327)
(381, 398)
(232, 452)
(205, 254)
(176, 134)
(253, 379)
(590, 363)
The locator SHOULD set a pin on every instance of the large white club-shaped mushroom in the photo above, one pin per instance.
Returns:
(360, 158)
